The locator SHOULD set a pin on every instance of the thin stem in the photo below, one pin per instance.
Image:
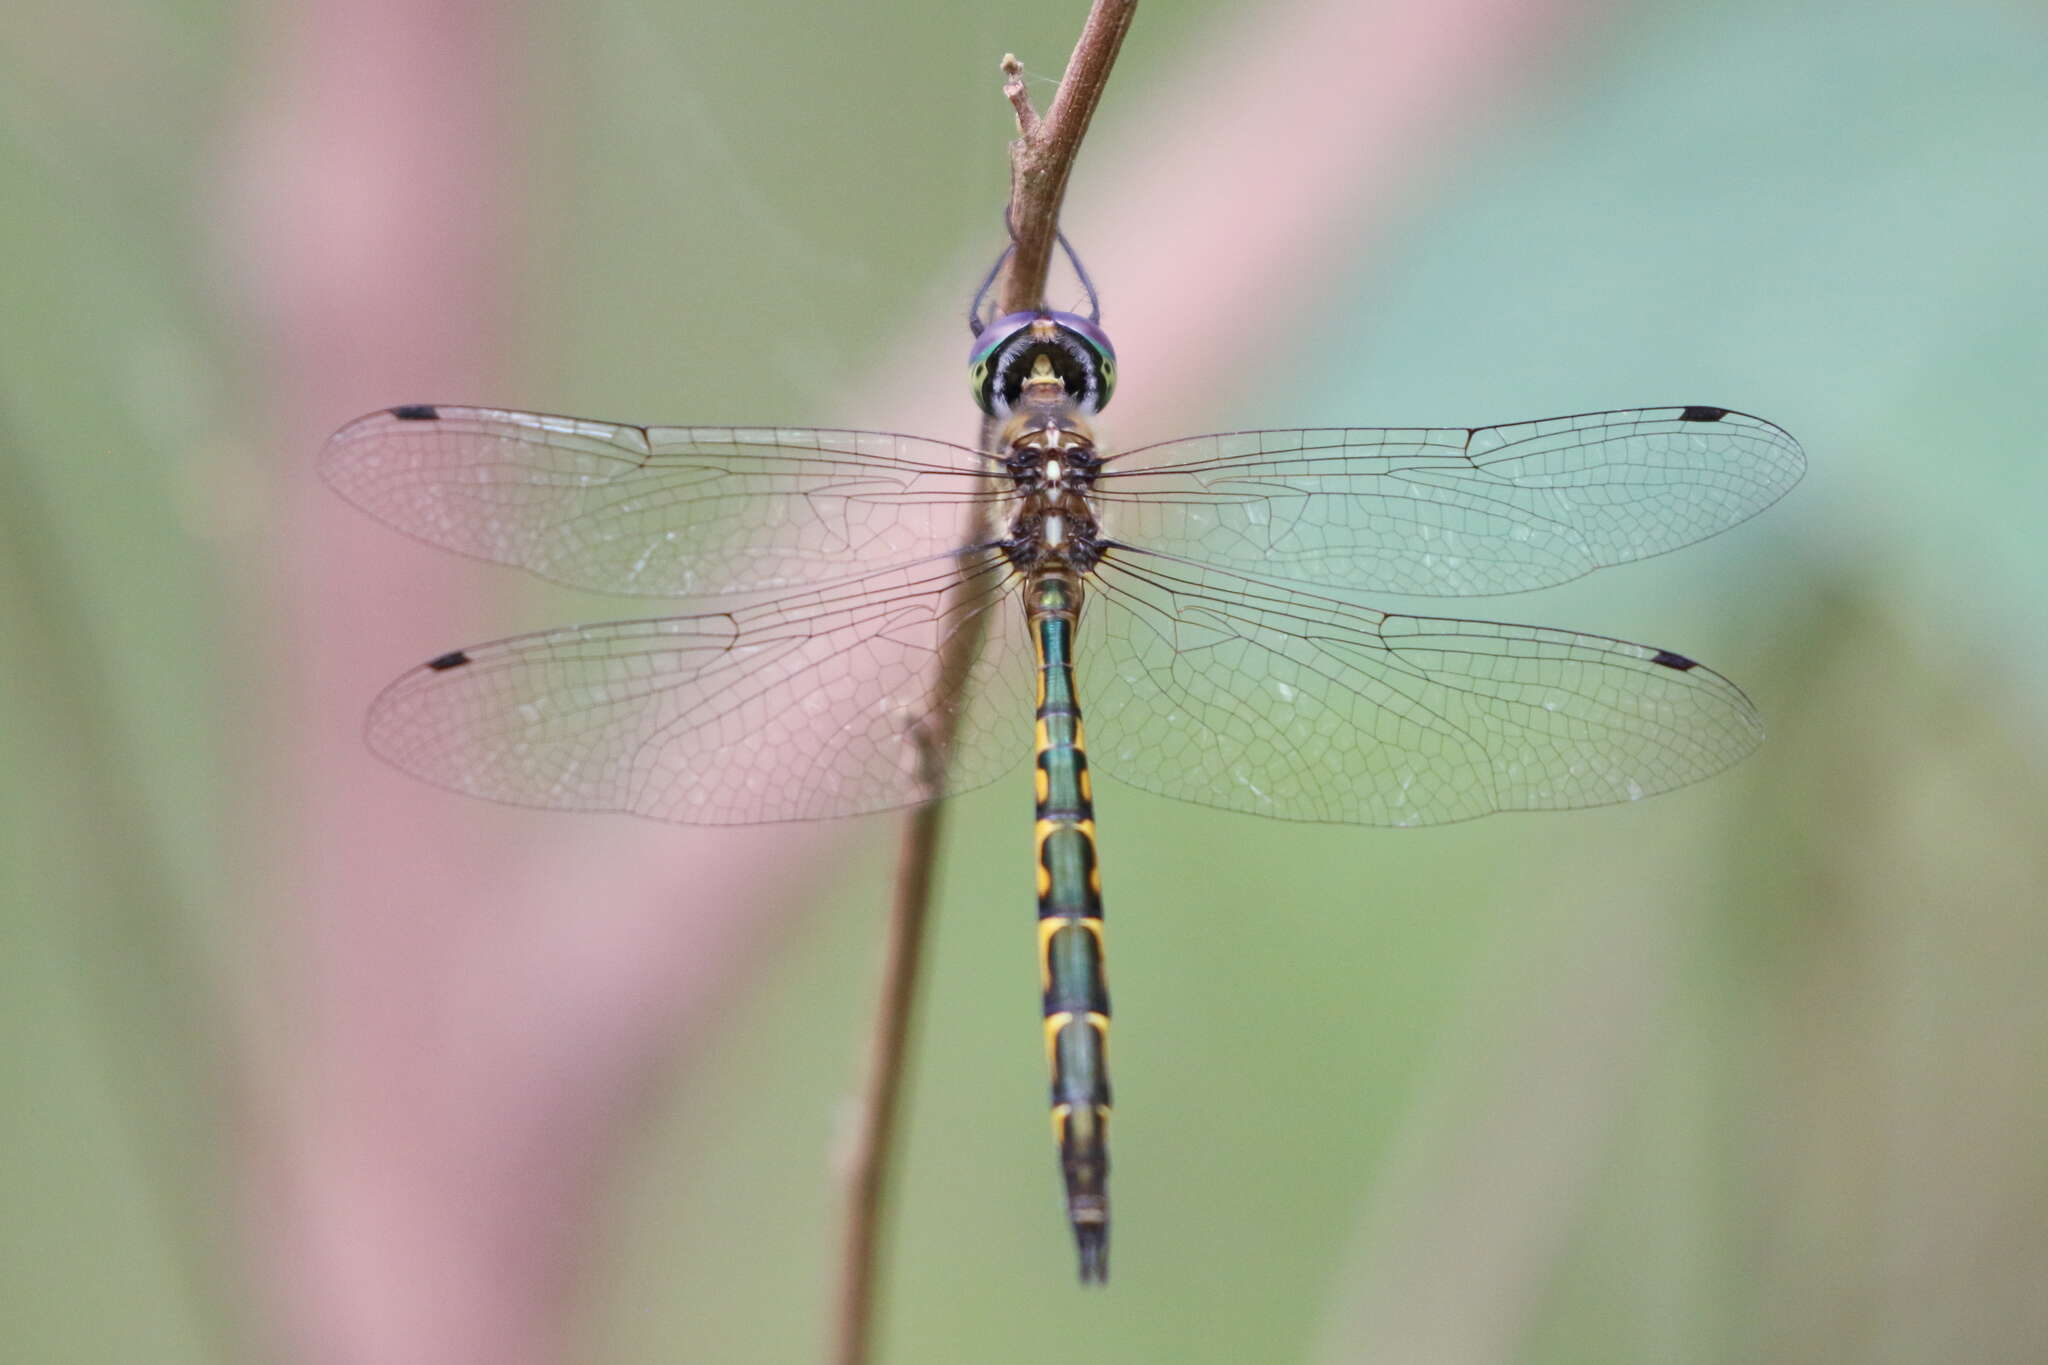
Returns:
(1043, 155)
(868, 1166)
(1040, 161)
(881, 1106)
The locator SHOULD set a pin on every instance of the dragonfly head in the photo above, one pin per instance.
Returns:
(1023, 350)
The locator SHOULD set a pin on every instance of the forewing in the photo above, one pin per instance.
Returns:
(1257, 697)
(805, 708)
(1453, 511)
(657, 511)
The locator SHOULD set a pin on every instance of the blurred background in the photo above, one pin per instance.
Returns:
(304, 1061)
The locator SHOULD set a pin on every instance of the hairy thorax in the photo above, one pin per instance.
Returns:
(1051, 460)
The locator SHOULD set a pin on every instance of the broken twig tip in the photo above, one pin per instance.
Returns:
(1018, 95)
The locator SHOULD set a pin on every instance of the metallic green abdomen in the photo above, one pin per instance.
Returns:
(1070, 928)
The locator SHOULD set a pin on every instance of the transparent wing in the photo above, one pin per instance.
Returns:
(1256, 697)
(657, 511)
(799, 709)
(1456, 511)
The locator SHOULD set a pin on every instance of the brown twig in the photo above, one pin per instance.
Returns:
(1043, 155)
(1040, 161)
(1017, 95)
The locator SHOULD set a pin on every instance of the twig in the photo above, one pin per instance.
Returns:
(1040, 161)
(1043, 155)
(1018, 96)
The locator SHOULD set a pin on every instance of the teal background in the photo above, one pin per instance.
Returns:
(1749, 1072)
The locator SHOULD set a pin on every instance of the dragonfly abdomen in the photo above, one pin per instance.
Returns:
(1070, 927)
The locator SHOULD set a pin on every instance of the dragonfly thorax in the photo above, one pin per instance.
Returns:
(1052, 462)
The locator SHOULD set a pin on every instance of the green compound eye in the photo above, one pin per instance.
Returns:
(1009, 347)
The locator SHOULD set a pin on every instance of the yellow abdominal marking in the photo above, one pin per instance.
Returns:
(1059, 1123)
(1045, 829)
(1044, 780)
(1047, 928)
(1053, 1024)
(1087, 787)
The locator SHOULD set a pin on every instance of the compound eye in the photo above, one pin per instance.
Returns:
(987, 359)
(1012, 346)
(1102, 355)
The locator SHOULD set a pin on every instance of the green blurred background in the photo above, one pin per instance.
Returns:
(1749, 1072)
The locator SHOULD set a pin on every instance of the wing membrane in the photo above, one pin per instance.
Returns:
(1257, 697)
(799, 709)
(1452, 511)
(657, 511)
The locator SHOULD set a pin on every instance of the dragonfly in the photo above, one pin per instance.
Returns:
(1204, 595)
